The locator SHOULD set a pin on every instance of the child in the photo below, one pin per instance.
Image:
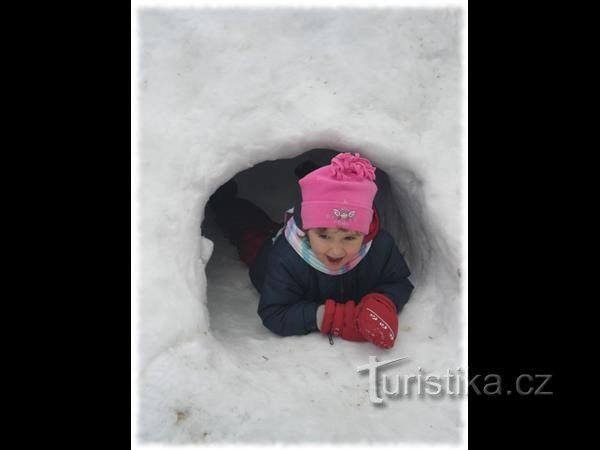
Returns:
(330, 267)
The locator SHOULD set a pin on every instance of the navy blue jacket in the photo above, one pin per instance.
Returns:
(291, 290)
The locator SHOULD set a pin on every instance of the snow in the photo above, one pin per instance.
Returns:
(245, 93)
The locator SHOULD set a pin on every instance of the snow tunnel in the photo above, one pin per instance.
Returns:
(207, 342)
(273, 186)
(248, 95)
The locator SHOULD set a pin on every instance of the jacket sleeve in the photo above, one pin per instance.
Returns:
(283, 307)
(394, 281)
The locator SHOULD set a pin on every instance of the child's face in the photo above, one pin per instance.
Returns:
(333, 246)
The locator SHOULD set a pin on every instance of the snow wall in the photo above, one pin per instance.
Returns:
(245, 94)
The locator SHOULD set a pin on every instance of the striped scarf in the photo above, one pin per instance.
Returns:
(300, 243)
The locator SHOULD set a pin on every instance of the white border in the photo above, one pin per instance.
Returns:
(134, 225)
(297, 4)
(465, 211)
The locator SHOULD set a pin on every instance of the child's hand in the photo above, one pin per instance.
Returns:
(340, 320)
(377, 320)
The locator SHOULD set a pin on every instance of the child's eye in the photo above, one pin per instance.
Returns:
(351, 238)
(323, 236)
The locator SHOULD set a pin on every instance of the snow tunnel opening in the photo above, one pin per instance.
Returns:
(272, 186)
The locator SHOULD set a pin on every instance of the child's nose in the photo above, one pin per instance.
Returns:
(336, 252)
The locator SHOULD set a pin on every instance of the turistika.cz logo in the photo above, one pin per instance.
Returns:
(455, 382)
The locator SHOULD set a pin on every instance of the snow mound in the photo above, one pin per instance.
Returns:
(245, 94)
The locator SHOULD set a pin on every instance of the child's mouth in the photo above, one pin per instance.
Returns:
(334, 261)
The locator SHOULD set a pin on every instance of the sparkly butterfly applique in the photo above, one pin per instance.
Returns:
(344, 214)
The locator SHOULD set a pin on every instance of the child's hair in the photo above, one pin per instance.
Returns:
(339, 195)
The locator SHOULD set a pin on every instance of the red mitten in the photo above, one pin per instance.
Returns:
(376, 319)
(340, 320)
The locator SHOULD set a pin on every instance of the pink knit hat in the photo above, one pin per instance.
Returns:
(339, 195)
